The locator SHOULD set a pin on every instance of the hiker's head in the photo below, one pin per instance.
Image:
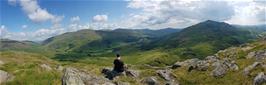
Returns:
(118, 56)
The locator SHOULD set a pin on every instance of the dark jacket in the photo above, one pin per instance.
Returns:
(119, 65)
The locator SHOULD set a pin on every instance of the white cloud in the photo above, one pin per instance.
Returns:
(100, 18)
(157, 14)
(35, 12)
(75, 19)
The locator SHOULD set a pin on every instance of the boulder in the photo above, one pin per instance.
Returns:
(165, 74)
(212, 59)
(231, 65)
(46, 67)
(5, 77)
(258, 55)
(132, 73)
(247, 70)
(219, 70)
(150, 81)
(73, 76)
(188, 62)
(122, 83)
(200, 65)
(260, 79)
(172, 82)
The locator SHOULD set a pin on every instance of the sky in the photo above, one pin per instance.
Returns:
(37, 20)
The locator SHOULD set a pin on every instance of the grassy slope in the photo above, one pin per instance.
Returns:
(26, 68)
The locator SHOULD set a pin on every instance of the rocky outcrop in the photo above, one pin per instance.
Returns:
(258, 55)
(132, 73)
(46, 67)
(231, 64)
(5, 77)
(193, 64)
(219, 70)
(150, 81)
(73, 76)
(165, 74)
(247, 70)
(260, 79)
(212, 59)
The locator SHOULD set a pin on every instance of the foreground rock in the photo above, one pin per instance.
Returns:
(46, 67)
(260, 79)
(132, 73)
(220, 69)
(73, 76)
(248, 69)
(150, 81)
(5, 77)
(165, 74)
(258, 55)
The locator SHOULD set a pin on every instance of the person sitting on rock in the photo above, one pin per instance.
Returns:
(119, 66)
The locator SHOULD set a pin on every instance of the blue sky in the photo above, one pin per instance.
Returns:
(13, 17)
(40, 19)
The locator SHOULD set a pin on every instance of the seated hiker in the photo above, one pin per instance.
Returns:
(119, 68)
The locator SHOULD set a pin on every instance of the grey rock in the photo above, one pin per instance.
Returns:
(150, 81)
(220, 69)
(132, 73)
(165, 74)
(5, 77)
(212, 59)
(172, 82)
(231, 65)
(260, 79)
(247, 70)
(258, 55)
(122, 83)
(46, 67)
(73, 76)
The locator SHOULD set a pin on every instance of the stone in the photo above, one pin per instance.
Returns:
(175, 66)
(172, 82)
(5, 77)
(122, 83)
(150, 81)
(73, 76)
(212, 59)
(165, 74)
(260, 79)
(231, 65)
(220, 69)
(247, 70)
(132, 73)
(46, 67)
(258, 55)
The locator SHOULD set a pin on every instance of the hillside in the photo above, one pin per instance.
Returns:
(244, 64)
(206, 38)
(25, 46)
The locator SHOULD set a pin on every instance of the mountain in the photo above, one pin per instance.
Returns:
(205, 38)
(26, 46)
